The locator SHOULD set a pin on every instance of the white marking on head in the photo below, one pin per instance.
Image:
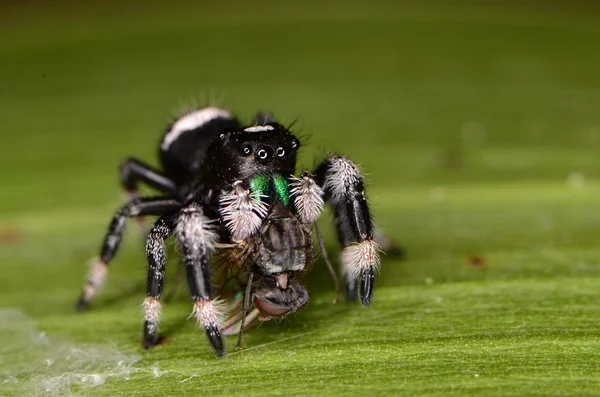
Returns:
(308, 198)
(242, 212)
(357, 258)
(195, 231)
(192, 121)
(210, 313)
(260, 128)
(342, 174)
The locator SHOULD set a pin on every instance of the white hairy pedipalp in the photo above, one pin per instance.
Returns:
(242, 212)
(308, 198)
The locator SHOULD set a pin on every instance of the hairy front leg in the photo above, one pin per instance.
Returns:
(344, 190)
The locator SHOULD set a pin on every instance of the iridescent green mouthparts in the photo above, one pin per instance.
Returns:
(263, 185)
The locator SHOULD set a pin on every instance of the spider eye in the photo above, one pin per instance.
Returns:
(262, 154)
(295, 144)
(280, 152)
(246, 150)
(222, 136)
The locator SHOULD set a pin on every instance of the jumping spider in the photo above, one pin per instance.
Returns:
(231, 188)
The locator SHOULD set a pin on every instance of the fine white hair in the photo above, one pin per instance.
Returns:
(192, 121)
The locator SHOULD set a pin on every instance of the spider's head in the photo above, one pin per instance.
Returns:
(241, 153)
(284, 251)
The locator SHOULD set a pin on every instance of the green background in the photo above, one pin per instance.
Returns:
(477, 126)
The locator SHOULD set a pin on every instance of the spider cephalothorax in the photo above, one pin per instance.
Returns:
(231, 188)
(241, 154)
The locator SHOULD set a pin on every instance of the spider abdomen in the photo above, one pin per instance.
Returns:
(185, 143)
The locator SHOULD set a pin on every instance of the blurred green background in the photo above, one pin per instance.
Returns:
(476, 123)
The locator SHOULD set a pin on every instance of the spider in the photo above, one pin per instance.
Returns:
(228, 188)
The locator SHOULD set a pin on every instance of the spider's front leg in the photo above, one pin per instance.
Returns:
(134, 208)
(344, 190)
(197, 238)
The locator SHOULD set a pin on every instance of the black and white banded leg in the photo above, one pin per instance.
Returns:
(157, 262)
(136, 207)
(344, 190)
(197, 239)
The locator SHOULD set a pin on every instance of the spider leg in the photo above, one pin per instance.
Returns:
(136, 207)
(133, 171)
(157, 261)
(197, 238)
(180, 275)
(344, 190)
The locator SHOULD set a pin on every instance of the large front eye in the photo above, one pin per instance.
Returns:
(262, 154)
(280, 152)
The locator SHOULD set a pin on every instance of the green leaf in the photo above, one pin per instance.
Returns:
(477, 127)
